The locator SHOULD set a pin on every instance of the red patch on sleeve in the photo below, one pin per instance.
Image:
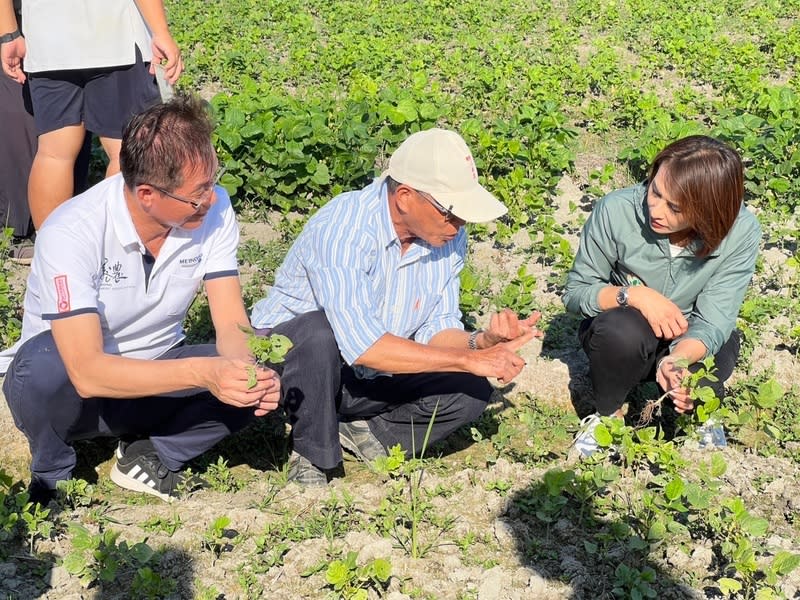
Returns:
(62, 293)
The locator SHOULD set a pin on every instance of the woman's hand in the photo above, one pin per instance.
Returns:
(670, 377)
(665, 318)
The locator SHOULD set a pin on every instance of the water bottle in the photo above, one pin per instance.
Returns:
(712, 434)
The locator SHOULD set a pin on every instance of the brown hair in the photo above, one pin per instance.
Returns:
(158, 143)
(706, 179)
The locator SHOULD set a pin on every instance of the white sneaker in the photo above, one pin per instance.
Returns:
(585, 443)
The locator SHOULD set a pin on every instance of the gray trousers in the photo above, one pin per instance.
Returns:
(319, 390)
(51, 414)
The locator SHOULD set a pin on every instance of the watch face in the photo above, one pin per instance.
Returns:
(622, 297)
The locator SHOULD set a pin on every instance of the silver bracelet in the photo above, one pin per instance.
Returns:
(661, 362)
(472, 343)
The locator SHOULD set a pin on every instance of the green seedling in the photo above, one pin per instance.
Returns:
(352, 582)
(218, 538)
(704, 395)
(266, 350)
(220, 478)
(168, 526)
(99, 557)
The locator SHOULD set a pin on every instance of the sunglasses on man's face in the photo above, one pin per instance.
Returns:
(195, 204)
(448, 215)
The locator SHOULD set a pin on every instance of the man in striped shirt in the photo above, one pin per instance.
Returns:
(369, 295)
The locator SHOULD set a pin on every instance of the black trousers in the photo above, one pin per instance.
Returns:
(318, 390)
(51, 414)
(623, 351)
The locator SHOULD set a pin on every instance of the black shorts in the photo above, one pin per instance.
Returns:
(103, 100)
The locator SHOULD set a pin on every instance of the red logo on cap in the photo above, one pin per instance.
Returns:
(472, 168)
(62, 292)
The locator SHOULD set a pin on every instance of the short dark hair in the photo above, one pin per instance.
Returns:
(706, 179)
(392, 185)
(158, 143)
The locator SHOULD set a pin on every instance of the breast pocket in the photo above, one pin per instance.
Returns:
(179, 293)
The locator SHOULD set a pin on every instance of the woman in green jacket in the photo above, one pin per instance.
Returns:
(660, 276)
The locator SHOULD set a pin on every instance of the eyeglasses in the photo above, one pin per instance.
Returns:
(193, 203)
(447, 213)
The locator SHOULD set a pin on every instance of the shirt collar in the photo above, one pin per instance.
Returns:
(387, 235)
(120, 216)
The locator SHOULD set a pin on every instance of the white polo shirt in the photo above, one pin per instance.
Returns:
(82, 34)
(89, 259)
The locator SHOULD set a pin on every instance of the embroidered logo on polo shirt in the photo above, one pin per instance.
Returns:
(191, 262)
(62, 293)
(111, 273)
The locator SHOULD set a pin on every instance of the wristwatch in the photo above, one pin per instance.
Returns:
(9, 37)
(472, 342)
(622, 295)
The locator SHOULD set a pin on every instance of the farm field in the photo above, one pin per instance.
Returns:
(561, 102)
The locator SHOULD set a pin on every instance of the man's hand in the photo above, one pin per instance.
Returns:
(229, 382)
(11, 55)
(670, 377)
(665, 318)
(505, 326)
(500, 361)
(166, 53)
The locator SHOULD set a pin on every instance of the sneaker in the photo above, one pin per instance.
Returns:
(138, 468)
(126, 440)
(585, 443)
(21, 253)
(356, 438)
(39, 491)
(302, 472)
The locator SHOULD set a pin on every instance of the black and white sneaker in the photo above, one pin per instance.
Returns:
(139, 469)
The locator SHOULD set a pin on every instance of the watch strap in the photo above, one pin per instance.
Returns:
(10, 37)
(472, 342)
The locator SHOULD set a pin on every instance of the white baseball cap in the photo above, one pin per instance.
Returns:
(438, 162)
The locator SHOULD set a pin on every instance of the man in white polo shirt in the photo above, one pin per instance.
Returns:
(114, 273)
(369, 296)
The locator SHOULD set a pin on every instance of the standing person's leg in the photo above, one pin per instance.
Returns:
(399, 409)
(17, 150)
(113, 96)
(57, 99)
(310, 384)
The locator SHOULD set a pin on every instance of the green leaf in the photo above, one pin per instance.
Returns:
(602, 435)
(674, 489)
(785, 562)
(337, 574)
(769, 393)
(382, 569)
(74, 563)
(657, 531)
(408, 108)
(322, 176)
(728, 586)
(755, 526)
(718, 465)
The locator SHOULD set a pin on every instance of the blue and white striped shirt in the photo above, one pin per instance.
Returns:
(347, 262)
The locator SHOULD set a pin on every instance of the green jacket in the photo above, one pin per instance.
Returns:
(618, 247)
